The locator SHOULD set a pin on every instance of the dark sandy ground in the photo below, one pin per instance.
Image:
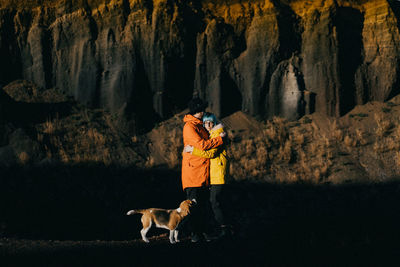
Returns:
(75, 216)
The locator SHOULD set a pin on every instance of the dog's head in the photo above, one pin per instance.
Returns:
(185, 206)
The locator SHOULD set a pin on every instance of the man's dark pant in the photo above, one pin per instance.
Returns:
(198, 216)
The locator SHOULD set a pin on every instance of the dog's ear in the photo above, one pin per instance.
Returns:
(185, 207)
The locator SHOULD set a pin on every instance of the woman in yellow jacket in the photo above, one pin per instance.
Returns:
(218, 169)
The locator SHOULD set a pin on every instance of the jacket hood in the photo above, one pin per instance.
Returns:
(192, 119)
(217, 129)
(218, 126)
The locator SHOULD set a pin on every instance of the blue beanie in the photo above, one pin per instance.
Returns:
(210, 117)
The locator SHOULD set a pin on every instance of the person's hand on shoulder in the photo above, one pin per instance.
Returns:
(223, 134)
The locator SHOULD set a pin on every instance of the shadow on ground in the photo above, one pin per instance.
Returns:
(57, 215)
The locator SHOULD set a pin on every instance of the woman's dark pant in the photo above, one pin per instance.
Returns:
(216, 193)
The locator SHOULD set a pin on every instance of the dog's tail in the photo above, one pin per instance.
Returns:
(131, 212)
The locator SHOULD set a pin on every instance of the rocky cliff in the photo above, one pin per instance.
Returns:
(146, 58)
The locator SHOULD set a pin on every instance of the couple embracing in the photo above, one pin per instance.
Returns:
(204, 167)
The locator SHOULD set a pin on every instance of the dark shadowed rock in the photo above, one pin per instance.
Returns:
(23, 102)
(7, 156)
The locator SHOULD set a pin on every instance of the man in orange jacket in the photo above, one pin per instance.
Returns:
(195, 169)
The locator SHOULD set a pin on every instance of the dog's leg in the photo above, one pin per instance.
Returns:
(171, 237)
(176, 235)
(143, 232)
(146, 227)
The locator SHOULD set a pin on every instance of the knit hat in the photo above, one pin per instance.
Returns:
(197, 105)
(210, 117)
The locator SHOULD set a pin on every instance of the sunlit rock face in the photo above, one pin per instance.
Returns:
(285, 97)
(147, 58)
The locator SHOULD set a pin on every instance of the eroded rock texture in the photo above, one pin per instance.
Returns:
(146, 58)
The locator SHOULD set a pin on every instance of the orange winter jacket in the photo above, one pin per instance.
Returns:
(196, 170)
(217, 156)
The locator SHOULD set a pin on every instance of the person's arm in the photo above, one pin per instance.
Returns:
(195, 140)
(209, 154)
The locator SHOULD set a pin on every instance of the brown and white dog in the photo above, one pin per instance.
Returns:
(162, 218)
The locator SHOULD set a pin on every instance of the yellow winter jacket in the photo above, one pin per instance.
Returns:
(217, 156)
